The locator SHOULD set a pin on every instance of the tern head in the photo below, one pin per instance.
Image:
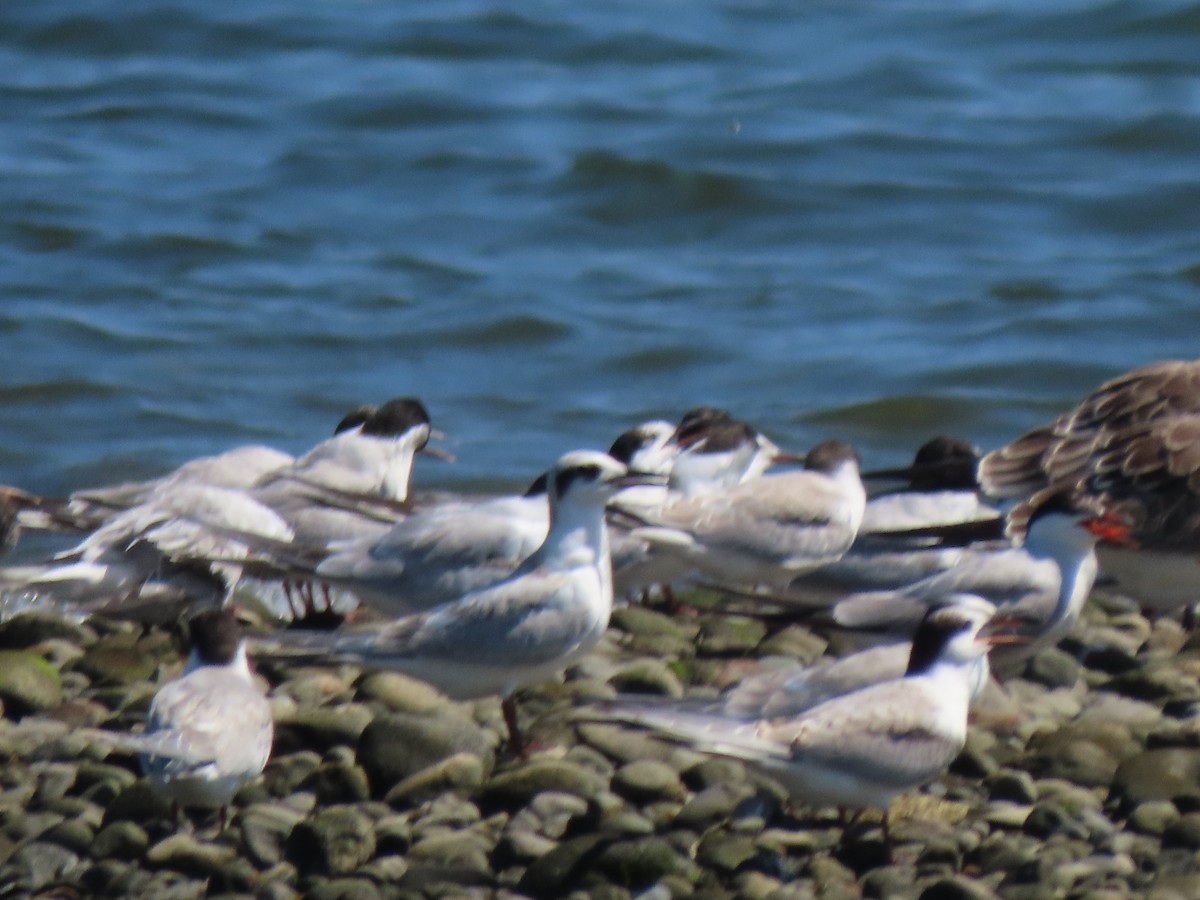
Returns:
(1053, 526)
(831, 457)
(649, 447)
(356, 417)
(941, 464)
(215, 637)
(949, 632)
(590, 478)
(398, 417)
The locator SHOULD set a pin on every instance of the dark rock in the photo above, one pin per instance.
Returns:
(28, 684)
(648, 780)
(398, 746)
(1053, 668)
(556, 873)
(335, 841)
(640, 863)
(120, 840)
(336, 782)
(516, 787)
(461, 772)
(1167, 773)
(1183, 833)
(322, 728)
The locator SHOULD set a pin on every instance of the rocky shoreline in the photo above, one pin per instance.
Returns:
(1081, 778)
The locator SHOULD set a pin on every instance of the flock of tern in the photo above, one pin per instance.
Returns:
(950, 570)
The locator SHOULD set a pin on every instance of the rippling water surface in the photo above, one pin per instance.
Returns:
(223, 223)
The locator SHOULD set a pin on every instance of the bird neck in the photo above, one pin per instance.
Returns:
(397, 474)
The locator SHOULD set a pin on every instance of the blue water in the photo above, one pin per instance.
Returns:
(227, 223)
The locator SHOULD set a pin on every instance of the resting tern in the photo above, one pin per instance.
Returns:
(1132, 448)
(443, 550)
(209, 731)
(1045, 581)
(938, 490)
(190, 536)
(354, 483)
(859, 749)
(770, 529)
(528, 627)
(718, 452)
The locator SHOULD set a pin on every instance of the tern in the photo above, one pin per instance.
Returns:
(938, 490)
(770, 529)
(1131, 448)
(718, 452)
(192, 537)
(209, 731)
(1044, 581)
(862, 748)
(352, 484)
(443, 550)
(528, 627)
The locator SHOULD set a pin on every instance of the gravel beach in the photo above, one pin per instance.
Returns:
(1080, 778)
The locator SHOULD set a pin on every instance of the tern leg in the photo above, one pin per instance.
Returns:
(288, 587)
(516, 743)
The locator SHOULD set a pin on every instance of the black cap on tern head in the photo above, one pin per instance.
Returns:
(628, 443)
(396, 417)
(214, 635)
(356, 417)
(707, 429)
(568, 475)
(940, 625)
(945, 463)
(828, 456)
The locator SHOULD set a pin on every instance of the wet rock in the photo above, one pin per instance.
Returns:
(120, 840)
(711, 805)
(335, 841)
(1053, 668)
(28, 684)
(1162, 774)
(1014, 786)
(640, 863)
(74, 834)
(116, 662)
(400, 693)
(647, 676)
(1158, 680)
(185, 853)
(465, 852)
(344, 889)
(265, 829)
(322, 728)
(648, 780)
(1153, 817)
(794, 643)
(556, 873)
(337, 782)
(37, 864)
(395, 747)
(1086, 755)
(28, 629)
(624, 743)
(725, 852)
(139, 802)
(462, 772)
(1183, 833)
(516, 787)
(729, 635)
(959, 887)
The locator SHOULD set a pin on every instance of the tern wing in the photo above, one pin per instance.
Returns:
(885, 733)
